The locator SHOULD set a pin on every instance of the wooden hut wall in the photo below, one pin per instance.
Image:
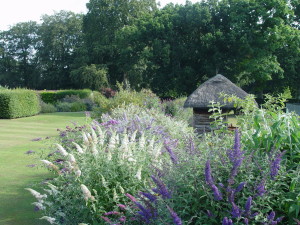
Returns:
(201, 120)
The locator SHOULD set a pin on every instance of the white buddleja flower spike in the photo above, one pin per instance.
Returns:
(133, 136)
(139, 173)
(131, 159)
(151, 144)
(78, 173)
(50, 164)
(112, 142)
(78, 148)
(86, 193)
(39, 205)
(101, 135)
(94, 135)
(36, 194)
(53, 188)
(125, 142)
(109, 156)
(61, 150)
(122, 189)
(115, 195)
(51, 220)
(85, 139)
(142, 142)
(117, 139)
(94, 149)
(72, 159)
(104, 182)
(89, 137)
(157, 151)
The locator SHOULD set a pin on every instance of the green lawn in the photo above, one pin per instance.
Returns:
(15, 175)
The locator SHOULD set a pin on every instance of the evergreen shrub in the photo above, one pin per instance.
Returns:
(55, 96)
(47, 107)
(18, 103)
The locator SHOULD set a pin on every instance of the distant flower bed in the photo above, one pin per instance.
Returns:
(140, 166)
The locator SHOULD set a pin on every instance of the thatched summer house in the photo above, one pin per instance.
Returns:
(209, 91)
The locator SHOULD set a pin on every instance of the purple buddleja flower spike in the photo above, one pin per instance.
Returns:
(111, 213)
(240, 187)
(145, 213)
(271, 216)
(235, 211)
(221, 185)
(275, 165)
(131, 197)
(210, 182)
(237, 143)
(208, 177)
(236, 157)
(171, 153)
(217, 193)
(271, 219)
(150, 196)
(161, 188)
(230, 194)
(175, 217)
(226, 221)
(246, 221)
(248, 205)
(261, 188)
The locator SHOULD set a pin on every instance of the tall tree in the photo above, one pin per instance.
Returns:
(60, 38)
(103, 20)
(18, 50)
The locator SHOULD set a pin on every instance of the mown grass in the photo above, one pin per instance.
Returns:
(15, 139)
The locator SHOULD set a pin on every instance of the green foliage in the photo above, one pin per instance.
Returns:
(126, 97)
(70, 106)
(169, 50)
(78, 107)
(112, 158)
(117, 156)
(93, 77)
(60, 40)
(175, 109)
(269, 128)
(64, 106)
(47, 107)
(17, 103)
(54, 96)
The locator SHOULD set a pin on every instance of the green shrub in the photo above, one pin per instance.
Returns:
(18, 103)
(54, 96)
(144, 98)
(64, 106)
(47, 108)
(70, 107)
(78, 106)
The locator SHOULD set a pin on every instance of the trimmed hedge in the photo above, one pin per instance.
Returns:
(18, 103)
(54, 96)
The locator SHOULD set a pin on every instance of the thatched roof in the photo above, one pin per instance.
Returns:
(210, 91)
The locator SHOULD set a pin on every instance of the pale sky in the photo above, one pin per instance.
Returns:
(14, 11)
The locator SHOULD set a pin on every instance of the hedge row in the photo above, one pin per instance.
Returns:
(54, 96)
(18, 103)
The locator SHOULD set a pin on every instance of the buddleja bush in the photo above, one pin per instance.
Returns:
(97, 168)
(269, 127)
(226, 186)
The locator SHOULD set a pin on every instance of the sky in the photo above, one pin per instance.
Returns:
(15, 11)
